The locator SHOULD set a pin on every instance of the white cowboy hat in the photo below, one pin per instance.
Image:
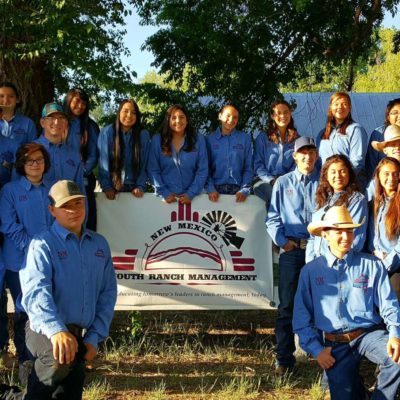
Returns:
(337, 217)
(392, 133)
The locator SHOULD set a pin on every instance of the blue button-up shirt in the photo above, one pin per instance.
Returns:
(24, 213)
(358, 208)
(338, 296)
(65, 163)
(378, 239)
(292, 203)
(8, 148)
(272, 160)
(74, 141)
(105, 146)
(353, 145)
(230, 160)
(67, 280)
(182, 172)
(373, 157)
(19, 128)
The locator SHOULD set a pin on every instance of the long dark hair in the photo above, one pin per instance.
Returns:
(273, 129)
(84, 118)
(330, 119)
(392, 221)
(389, 107)
(116, 159)
(166, 132)
(325, 190)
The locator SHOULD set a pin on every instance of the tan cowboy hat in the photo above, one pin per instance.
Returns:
(392, 133)
(336, 217)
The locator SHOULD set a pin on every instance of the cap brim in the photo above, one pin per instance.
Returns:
(59, 203)
(316, 228)
(379, 146)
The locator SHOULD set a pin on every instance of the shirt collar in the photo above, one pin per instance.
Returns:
(27, 184)
(65, 233)
(219, 134)
(331, 259)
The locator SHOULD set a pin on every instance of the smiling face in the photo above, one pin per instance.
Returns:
(178, 122)
(127, 116)
(394, 115)
(281, 116)
(55, 127)
(70, 215)
(77, 106)
(8, 98)
(389, 178)
(34, 167)
(338, 176)
(229, 118)
(392, 149)
(339, 240)
(340, 108)
(305, 159)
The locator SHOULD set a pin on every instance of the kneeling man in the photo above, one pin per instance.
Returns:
(345, 308)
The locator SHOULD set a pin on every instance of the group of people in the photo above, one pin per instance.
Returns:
(48, 219)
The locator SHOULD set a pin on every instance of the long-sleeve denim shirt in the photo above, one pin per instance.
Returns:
(8, 148)
(373, 157)
(19, 128)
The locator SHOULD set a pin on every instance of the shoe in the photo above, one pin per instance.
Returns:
(7, 390)
(5, 360)
(24, 370)
(282, 370)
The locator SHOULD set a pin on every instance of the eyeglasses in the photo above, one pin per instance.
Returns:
(53, 119)
(394, 113)
(38, 161)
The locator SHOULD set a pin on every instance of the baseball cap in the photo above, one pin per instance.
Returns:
(52, 108)
(63, 191)
(303, 141)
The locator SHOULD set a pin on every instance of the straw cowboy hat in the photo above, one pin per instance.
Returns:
(336, 217)
(392, 133)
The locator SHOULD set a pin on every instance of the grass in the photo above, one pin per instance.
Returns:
(198, 355)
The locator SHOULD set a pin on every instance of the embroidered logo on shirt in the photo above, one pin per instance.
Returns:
(319, 280)
(289, 192)
(62, 254)
(23, 197)
(361, 282)
(100, 253)
(238, 146)
(71, 162)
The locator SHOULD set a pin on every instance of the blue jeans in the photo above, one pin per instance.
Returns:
(227, 188)
(290, 264)
(11, 280)
(263, 190)
(343, 377)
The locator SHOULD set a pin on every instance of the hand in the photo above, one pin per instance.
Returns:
(171, 198)
(289, 246)
(325, 359)
(393, 349)
(110, 194)
(240, 197)
(379, 254)
(91, 352)
(213, 196)
(184, 199)
(137, 192)
(65, 347)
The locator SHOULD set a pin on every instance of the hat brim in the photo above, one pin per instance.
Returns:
(59, 203)
(316, 228)
(379, 146)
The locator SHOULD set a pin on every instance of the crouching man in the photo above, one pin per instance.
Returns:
(69, 292)
(342, 304)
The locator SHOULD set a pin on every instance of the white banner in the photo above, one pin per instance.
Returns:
(199, 256)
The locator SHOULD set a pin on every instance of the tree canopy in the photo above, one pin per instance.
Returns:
(47, 46)
(247, 51)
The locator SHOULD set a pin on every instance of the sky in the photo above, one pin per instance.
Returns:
(140, 61)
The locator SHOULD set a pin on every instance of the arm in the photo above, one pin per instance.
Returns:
(31, 131)
(201, 168)
(92, 155)
(210, 181)
(107, 298)
(358, 148)
(358, 209)
(260, 169)
(247, 173)
(104, 147)
(144, 155)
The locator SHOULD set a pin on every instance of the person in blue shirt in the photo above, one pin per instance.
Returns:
(15, 126)
(82, 137)
(384, 226)
(69, 292)
(338, 186)
(230, 158)
(123, 150)
(178, 164)
(345, 309)
(342, 135)
(292, 203)
(8, 148)
(65, 162)
(23, 213)
(273, 150)
(392, 117)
